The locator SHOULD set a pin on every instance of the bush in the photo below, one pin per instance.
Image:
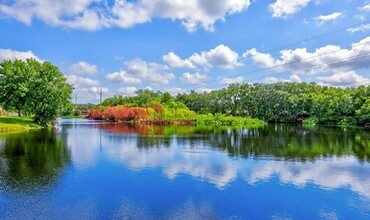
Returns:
(310, 121)
(226, 120)
(348, 121)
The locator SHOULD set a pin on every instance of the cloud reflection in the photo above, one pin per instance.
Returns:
(207, 157)
(200, 160)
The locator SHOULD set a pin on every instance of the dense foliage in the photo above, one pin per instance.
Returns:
(33, 88)
(278, 102)
(154, 113)
(161, 108)
(286, 102)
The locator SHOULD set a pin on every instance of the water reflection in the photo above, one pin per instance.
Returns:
(32, 160)
(327, 157)
(279, 142)
(98, 170)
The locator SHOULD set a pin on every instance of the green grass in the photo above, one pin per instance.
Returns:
(9, 124)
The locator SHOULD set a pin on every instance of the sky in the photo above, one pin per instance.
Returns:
(177, 46)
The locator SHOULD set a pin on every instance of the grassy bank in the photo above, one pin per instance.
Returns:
(9, 124)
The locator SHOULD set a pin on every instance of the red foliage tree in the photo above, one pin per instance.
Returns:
(110, 114)
(96, 114)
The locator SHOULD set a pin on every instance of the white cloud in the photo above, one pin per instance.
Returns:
(96, 14)
(127, 91)
(322, 19)
(238, 79)
(365, 7)
(122, 77)
(193, 78)
(271, 79)
(66, 13)
(83, 67)
(80, 82)
(175, 61)
(204, 89)
(220, 56)
(361, 28)
(8, 54)
(286, 8)
(292, 78)
(262, 59)
(324, 59)
(153, 72)
(295, 78)
(173, 91)
(344, 79)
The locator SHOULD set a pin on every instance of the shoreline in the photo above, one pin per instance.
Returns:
(17, 124)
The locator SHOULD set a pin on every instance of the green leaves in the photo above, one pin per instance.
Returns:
(34, 88)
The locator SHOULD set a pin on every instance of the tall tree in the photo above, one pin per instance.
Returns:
(14, 85)
(38, 88)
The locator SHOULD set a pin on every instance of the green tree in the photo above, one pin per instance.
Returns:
(37, 88)
(14, 85)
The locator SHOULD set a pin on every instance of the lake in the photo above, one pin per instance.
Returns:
(86, 169)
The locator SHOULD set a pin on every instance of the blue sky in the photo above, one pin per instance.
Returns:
(200, 45)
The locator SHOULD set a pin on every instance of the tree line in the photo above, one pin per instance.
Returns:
(34, 88)
(277, 102)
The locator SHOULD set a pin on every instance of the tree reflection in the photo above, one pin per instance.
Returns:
(278, 141)
(33, 159)
(291, 143)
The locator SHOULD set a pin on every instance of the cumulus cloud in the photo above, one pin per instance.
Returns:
(175, 61)
(83, 67)
(327, 58)
(122, 77)
(344, 79)
(322, 19)
(127, 91)
(295, 78)
(220, 56)
(66, 13)
(193, 78)
(271, 79)
(80, 82)
(286, 8)
(238, 79)
(8, 54)
(152, 72)
(96, 14)
(137, 71)
(262, 59)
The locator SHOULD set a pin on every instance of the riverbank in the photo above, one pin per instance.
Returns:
(12, 123)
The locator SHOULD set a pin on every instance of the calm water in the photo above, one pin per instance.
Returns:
(92, 170)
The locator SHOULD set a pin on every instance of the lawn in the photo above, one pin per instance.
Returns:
(8, 123)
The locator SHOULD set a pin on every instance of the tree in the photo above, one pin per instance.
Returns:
(34, 87)
(14, 85)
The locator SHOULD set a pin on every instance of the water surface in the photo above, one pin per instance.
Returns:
(96, 170)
